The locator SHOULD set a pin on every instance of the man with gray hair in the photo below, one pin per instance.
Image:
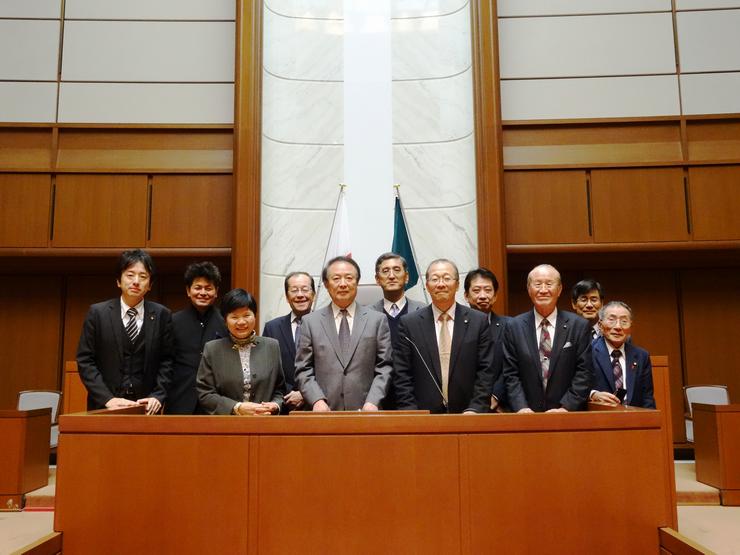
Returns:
(547, 352)
(444, 359)
(622, 371)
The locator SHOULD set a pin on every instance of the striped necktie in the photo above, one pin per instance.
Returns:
(132, 329)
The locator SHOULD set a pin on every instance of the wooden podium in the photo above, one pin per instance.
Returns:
(24, 454)
(557, 483)
(717, 449)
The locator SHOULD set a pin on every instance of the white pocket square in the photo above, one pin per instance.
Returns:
(568, 344)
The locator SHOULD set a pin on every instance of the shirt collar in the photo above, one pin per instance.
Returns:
(139, 308)
(437, 312)
(551, 318)
(610, 348)
(400, 303)
(350, 310)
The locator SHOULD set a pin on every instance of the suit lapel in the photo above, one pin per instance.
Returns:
(286, 330)
(358, 329)
(429, 333)
(530, 332)
(603, 361)
(150, 322)
(496, 327)
(330, 329)
(458, 334)
(630, 360)
(562, 326)
(114, 314)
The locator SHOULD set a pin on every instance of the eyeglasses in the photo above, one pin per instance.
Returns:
(623, 321)
(296, 290)
(446, 279)
(396, 270)
(546, 284)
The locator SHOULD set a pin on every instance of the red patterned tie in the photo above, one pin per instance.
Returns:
(617, 370)
(545, 350)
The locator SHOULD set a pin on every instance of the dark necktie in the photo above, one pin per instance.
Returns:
(131, 330)
(545, 351)
(297, 336)
(617, 370)
(344, 333)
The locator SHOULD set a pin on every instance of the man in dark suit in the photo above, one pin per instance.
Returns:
(547, 352)
(620, 367)
(586, 298)
(192, 328)
(392, 275)
(300, 291)
(444, 358)
(343, 359)
(481, 288)
(124, 356)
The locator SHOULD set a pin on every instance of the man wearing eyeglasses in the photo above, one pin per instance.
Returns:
(547, 351)
(300, 290)
(444, 359)
(622, 371)
(343, 358)
(392, 275)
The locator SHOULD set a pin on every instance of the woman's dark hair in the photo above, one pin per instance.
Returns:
(236, 299)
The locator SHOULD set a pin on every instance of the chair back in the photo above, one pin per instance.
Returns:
(706, 394)
(41, 399)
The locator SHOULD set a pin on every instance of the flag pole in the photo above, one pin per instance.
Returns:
(342, 187)
(397, 187)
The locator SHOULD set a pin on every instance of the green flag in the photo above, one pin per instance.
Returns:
(402, 244)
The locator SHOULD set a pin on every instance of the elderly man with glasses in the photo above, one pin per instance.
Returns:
(444, 359)
(622, 371)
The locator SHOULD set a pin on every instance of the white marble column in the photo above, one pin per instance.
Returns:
(305, 128)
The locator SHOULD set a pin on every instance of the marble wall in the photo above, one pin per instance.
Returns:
(304, 151)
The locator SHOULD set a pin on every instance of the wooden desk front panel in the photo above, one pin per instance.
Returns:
(717, 445)
(357, 494)
(152, 493)
(591, 491)
(24, 464)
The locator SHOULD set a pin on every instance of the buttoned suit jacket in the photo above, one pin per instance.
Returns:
(322, 371)
(639, 373)
(189, 337)
(220, 381)
(471, 361)
(571, 367)
(100, 352)
(281, 329)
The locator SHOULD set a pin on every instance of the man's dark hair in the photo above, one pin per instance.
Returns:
(236, 299)
(293, 274)
(131, 257)
(484, 273)
(325, 271)
(207, 270)
(388, 256)
(442, 261)
(584, 286)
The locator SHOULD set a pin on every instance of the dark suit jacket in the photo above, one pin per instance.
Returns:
(571, 372)
(345, 383)
(497, 327)
(281, 330)
(220, 382)
(639, 373)
(471, 361)
(190, 334)
(100, 351)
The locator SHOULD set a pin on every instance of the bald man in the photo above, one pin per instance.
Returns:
(547, 352)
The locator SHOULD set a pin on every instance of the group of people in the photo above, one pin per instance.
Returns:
(398, 353)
